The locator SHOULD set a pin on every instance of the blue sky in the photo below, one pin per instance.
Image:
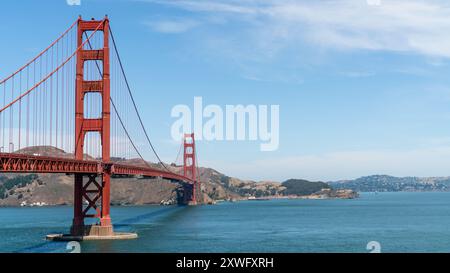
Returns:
(362, 89)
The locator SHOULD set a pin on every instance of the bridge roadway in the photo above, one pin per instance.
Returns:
(23, 163)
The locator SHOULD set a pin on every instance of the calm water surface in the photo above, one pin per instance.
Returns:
(400, 222)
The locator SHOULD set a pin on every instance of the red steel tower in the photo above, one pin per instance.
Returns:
(92, 189)
(189, 170)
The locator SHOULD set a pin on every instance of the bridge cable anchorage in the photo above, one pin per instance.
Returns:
(134, 103)
(50, 74)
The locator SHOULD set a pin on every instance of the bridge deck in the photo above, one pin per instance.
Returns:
(23, 163)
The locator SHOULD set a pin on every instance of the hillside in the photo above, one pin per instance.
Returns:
(303, 187)
(386, 183)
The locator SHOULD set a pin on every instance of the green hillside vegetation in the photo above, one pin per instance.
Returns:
(7, 185)
(303, 187)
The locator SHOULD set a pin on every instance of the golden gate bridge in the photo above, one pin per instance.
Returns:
(75, 96)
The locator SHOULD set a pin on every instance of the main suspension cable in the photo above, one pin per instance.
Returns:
(40, 54)
(117, 112)
(134, 103)
(178, 154)
(49, 75)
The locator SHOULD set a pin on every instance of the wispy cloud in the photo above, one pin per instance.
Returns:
(419, 26)
(357, 74)
(178, 25)
(231, 6)
(345, 165)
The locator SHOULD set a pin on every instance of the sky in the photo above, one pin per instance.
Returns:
(363, 86)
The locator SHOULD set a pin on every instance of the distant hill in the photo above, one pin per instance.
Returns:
(57, 189)
(303, 187)
(386, 183)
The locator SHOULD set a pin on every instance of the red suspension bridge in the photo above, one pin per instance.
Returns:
(75, 97)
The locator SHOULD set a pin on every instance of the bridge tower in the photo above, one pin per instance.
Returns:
(189, 170)
(92, 190)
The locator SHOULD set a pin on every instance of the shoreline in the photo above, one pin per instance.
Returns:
(265, 198)
(325, 194)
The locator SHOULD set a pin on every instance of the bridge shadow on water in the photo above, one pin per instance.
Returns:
(146, 216)
(163, 216)
(151, 227)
